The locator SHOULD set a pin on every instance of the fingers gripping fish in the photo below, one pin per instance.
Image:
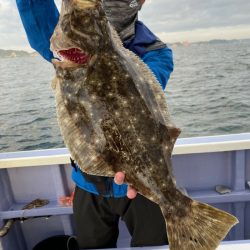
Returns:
(114, 117)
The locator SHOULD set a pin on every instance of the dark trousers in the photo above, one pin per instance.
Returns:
(97, 218)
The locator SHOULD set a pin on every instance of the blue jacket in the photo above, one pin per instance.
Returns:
(39, 18)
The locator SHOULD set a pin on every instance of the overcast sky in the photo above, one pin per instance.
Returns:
(171, 20)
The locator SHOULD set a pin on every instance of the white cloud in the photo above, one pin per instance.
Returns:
(194, 17)
(12, 35)
(229, 32)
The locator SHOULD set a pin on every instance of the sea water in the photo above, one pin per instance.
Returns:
(208, 94)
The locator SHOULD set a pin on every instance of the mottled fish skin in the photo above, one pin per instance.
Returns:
(113, 117)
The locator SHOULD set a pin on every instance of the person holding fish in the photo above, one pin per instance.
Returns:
(99, 202)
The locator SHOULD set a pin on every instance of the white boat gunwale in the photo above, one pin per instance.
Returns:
(193, 145)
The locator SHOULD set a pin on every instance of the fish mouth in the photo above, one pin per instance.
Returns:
(74, 55)
(71, 57)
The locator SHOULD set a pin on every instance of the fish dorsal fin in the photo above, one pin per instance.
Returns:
(155, 99)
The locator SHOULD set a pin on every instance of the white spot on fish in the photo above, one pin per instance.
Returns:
(78, 142)
(66, 120)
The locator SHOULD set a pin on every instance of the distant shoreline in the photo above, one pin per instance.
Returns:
(13, 53)
(9, 53)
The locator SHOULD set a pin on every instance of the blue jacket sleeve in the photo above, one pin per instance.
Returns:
(39, 18)
(161, 64)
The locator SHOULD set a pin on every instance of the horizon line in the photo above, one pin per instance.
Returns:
(30, 50)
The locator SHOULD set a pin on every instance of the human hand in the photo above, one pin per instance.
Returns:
(119, 180)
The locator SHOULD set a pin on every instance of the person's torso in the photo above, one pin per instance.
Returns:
(123, 15)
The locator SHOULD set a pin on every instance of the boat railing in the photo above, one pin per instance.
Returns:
(200, 165)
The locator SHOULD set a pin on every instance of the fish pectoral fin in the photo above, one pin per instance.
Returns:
(203, 227)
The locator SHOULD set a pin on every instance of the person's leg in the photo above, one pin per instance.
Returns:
(145, 223)
(96, 224)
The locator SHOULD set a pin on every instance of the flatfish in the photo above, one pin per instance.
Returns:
(113, 116)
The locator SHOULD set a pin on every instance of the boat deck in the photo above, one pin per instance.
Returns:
(199, 165)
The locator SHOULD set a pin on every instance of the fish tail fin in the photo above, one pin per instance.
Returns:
(198, 227)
